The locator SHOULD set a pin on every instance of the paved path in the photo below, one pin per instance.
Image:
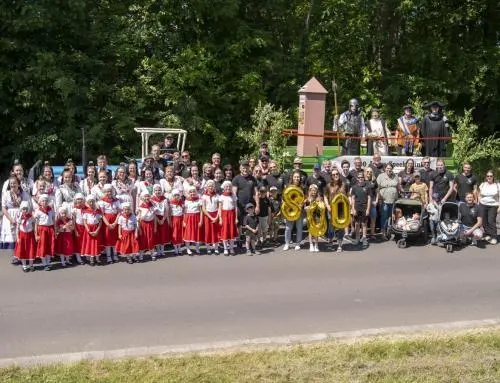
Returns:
(203, 299)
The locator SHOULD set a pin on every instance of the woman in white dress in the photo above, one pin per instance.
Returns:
(124, 188)
(46, 184)
(65, 194)
(193, 180)
(145, 184)
(171, 182)
(377, 134)
(17, 171)
(89, 182)
(11, 203)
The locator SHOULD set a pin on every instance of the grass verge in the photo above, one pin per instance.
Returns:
(472, 356)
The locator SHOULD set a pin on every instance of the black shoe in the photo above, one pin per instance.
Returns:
(47, 268)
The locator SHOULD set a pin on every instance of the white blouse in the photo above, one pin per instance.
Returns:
(146, 213)
(228, 202)
(127, 224)
(161, 207)
(211, 203)
(109, 208)
(192, 207)
(92, 218)
(176, 210)
(44, 219)
(78, 212)
(25, 225)
(488, 195)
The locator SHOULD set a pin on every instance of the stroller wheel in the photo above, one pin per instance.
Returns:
(401, 243)
(449, 248)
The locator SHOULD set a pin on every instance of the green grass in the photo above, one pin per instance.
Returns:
(472, 356)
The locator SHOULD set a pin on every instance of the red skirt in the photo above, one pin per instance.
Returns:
(162, 232)
(91, 246)
(191, 231)
(228, 229)
(46, 242)
(147, 236)
(78, 240)
(128, 244)
(109, 235)
(64, 243)
(177, 230)
(211, 230)
(25, 245)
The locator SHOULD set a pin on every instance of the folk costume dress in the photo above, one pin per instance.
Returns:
(124, 191)
(110, 208)
(79, 232)
(192, 232)
(146, 217)
(65, 196)
(128, 245)
(211, 230)
(86, 186)
(143, 186)
(64, 239)
(45, 218)
(12, 202)
(168, 185)
(177, 213)
(161, 210)
(229, 230)
(98, 191)
(26, 244)
(43, 186)
(92, 246)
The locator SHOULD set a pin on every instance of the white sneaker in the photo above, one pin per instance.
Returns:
(226, 252)
(286, 247)
(316, 248)
(297, 247)
(311, 248)
(188, 251)
(487, 238)
(339, 249)
(493, 241)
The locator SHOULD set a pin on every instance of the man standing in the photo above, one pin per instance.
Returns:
(426, 172)
(358, 169)
(377, 166)
(407, 132)
(168, 147)
(441, 185)
(465, 183)
(435, 130)
(245, 189)
(352, 126)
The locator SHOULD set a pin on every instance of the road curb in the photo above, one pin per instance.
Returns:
(210, 347)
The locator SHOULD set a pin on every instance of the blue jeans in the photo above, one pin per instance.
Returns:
(385, 213)
(299, 224)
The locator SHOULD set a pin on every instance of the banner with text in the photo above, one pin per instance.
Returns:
(397, 161)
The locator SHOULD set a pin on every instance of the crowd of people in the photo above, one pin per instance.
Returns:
(173, 201)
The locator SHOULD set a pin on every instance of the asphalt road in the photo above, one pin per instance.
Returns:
(202, 299)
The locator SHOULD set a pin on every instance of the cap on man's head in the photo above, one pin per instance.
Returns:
(297, 160)
(317, 166)
(249, 206)
(436, 104)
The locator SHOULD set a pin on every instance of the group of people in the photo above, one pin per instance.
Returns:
(168, 201)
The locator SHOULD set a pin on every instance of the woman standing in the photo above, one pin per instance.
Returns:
(132, 171)
(90, 181)
(193, 180)
(489, 204)
(406, 177)
(170, 182)
(46, 184)
(377, 133)
(123, 186)
(228, 173)
(17, 171)
(387, 183)
(299, 222)
(371, 184)
(335, 187)
(65, 194)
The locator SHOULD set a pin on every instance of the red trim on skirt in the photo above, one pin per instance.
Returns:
(46, 244)
(176, 230)
(162, 232)
(147, 235)
(191, 231)
(128, 244)
(25, 245)
(78, 240)
(211, 230)
(91, 246)
(228, 230)
(109, 236)
(64, 243)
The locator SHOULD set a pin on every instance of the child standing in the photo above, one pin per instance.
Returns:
(160, 203)
(264, 215)
(78, 210)
(228, 218)
(92, 221)
(360, 208)
(25, 249)
(147, 225)
(177, 212)
(211, 225)
(251, 226)
(64, 236)
(419, 190)
(312, 197)
(110, 208)
(127, 244)
(193, 220)
(44, 231)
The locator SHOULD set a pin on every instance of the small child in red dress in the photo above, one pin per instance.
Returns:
(92, 220)
(78, 209)
(193, 220)
(64, 236)
(127, 244)
(44, 231)
(25, 244)
(162, 237)
(228, 218)
(110, 208)
(210, 206)
(147, 225)
(177, 212)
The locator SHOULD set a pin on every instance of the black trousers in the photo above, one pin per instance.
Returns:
(489, 220)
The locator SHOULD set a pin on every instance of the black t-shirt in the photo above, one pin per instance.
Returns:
(261, 182)
(319, 182)
(377, 169)
(469, 214)
(465, 184)
(406, 180)
(425, 176)
(252, 221)
(246, 188)
(264, 205)
(360, 193)
(327, 176)
(441, 184)
(275, 205)
(353, 175)
(276, 181)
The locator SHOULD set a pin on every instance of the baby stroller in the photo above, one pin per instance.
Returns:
(449, 226)
(407, 222)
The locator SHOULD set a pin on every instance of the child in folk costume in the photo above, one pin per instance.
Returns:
(193, 220)
(110, 208)
(228, 218)
(162, 237)
(210, 206)
(98, 189)
(127, 244)
(92, 221)
(177, 212)
(25, 244)
(44, 231)
(147, 225)
(64, 236)
(78, 210)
